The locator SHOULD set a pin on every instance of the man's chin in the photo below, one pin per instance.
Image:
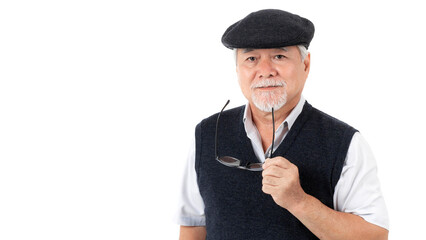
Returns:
(267, 107)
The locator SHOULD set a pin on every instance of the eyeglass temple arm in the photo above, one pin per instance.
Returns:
(217, 123)
(273, 134)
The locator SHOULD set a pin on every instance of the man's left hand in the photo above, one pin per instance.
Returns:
(281, 181)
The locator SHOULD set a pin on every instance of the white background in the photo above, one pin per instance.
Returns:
(99, 100)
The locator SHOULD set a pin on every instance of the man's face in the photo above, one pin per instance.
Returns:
(272, 77)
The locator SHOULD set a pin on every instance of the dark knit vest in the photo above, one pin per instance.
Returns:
(235, 206)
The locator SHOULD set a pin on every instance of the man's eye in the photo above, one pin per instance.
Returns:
(251, 59)
(279, 56)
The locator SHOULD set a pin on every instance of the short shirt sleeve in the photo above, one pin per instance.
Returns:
(190, 210)
(358, 189)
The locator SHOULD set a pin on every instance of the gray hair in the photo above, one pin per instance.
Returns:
(302, 50)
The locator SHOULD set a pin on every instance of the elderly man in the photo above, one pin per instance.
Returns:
(311, 177)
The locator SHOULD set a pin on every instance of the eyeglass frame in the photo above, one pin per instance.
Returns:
(254, 167)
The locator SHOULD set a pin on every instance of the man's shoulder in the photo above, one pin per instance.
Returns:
(229, 120)
(325, 120)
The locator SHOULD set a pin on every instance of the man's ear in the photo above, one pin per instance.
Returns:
(307, 63)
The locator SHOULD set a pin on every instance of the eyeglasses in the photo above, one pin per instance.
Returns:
(234, 162)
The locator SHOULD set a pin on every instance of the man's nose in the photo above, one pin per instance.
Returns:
(266, 69)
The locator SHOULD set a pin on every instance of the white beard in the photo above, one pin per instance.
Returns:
(266, 100)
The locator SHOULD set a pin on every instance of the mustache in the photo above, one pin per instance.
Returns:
(269, 82)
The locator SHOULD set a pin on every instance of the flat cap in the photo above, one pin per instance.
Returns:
(269, 28)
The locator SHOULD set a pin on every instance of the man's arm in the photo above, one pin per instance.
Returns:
(192, 233)
(327, 223)
(281, 181)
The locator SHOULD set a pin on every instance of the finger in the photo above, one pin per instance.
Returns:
(273, 181)
(277, 161)
(274, 171)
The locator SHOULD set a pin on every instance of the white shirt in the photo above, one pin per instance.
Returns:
(357, 191)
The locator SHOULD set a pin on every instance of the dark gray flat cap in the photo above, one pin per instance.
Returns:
(269, 28)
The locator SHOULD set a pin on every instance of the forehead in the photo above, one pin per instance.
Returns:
(265, 50)
(247, 50)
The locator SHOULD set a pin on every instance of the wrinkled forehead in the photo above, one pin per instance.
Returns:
(247, 50)
(241, 51)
